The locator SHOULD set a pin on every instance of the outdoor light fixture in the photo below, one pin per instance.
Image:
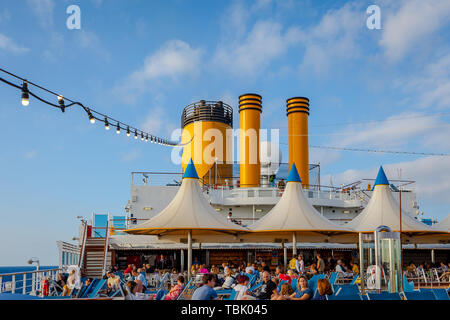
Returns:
(142, 136)
(61, 103)
(91, 117)
(128, 131)
(135, 134)
(106, 124)
(118, 128)
(25, 95)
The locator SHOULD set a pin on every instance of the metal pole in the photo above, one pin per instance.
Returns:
(294, 244)
(284, 254)
(182, 260)
(189, 253)
(401, 246)
(432, 256)
(361, 264)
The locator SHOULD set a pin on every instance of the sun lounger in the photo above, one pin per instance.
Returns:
(440, 294)
(95, 291)
(384, 296)
(419, 295)
(347, 289)
(344, 297)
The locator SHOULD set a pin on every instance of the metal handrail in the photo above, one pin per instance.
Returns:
(36, 280)
(106, 248)
(83, 245)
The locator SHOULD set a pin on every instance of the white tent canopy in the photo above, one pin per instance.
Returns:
(293, 215)
(189, 214)
(444, 224)
(383, 209)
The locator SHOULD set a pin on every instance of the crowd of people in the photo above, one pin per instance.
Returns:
(239, 277)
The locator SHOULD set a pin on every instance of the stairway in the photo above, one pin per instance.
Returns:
(94, 255)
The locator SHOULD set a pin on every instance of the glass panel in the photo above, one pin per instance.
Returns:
(99, 227)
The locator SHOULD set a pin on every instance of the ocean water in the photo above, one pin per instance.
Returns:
(19, 278)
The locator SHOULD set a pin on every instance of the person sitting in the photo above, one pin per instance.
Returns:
(303, 293)
(265, 267)
(61, 282)
(355, 268)
(70, 284)
(113, 282)
(292, 275)
(229, 280)
(323, 289)
(242, 289)
(88, 282)
(206, 291)
(140, 279)
(285, 292)
(203, 269)
(280, 275)
(268, 288)
(313, 270)
(176, 290)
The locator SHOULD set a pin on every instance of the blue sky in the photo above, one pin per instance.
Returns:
(143, 61)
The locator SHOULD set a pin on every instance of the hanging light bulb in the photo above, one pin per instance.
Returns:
(91, 117)
(146, 138)
(118, 128)
(142, 136)
(106, 124)
(135, 133)
(61, 103)
(128, 131)
(25, 95)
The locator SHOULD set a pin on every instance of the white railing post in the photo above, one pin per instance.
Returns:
(1, 284)
(24, 284)
(13, 283)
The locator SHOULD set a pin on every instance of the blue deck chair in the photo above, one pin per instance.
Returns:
(419, 295)
(312, 283)
(255, 287)
(253, 279)
(348, 289)
(294, 285)
(161, 294)
(188, 290)
(384, 296)
(280, 284)
(408, 286)
(88, 289)
(354, 279)
(440, 294)
(100, 285)
(232, 296)
(344, 297)
(333, 277)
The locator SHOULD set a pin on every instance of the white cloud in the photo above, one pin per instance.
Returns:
(396, 131)
(8, 44)
(43, 9)
(249, 55)
(431, 87)
(131, 156)
(174, 59)
(411, 26)
(335, 38)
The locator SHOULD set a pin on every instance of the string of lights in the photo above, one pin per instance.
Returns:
(92, 114)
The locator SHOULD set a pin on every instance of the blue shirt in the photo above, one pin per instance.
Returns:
(300, 294)
(142, 277)
(204, 293)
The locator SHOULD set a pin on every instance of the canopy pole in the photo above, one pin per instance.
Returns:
(294, 244)
(284, 255)
(182, 260)
(189, 254)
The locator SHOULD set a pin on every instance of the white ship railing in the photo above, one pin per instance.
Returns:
(27, 282)
(105, 255)
(83, 245)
